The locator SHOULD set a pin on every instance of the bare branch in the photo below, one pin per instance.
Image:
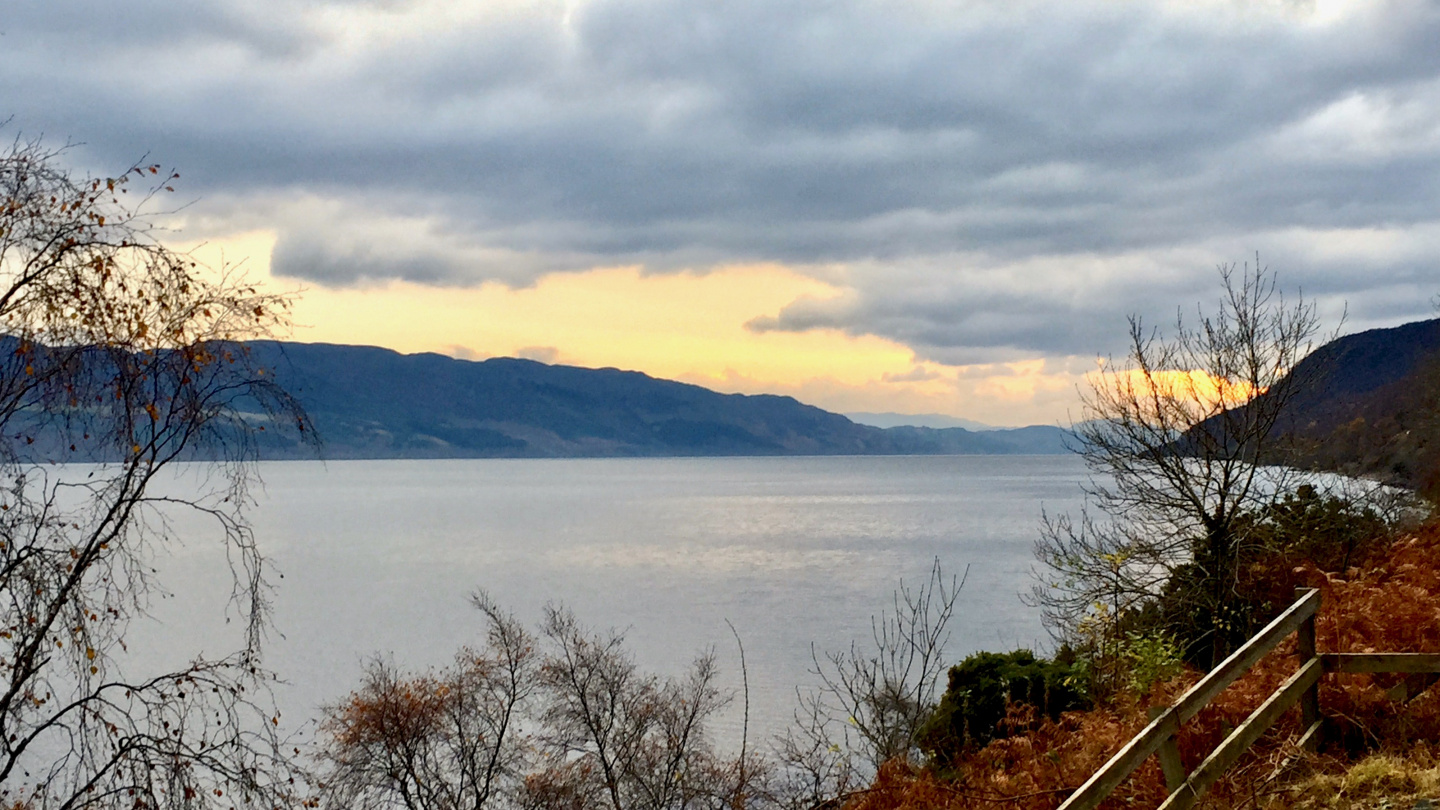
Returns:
(1176, 439)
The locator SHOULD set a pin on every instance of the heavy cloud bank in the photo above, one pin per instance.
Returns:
(986, 180)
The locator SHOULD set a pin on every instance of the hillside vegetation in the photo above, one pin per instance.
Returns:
(1017, 731)
(1382, 730)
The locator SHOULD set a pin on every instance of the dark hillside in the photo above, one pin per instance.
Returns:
(1362, 375)
(376, 403)
(1369, 404)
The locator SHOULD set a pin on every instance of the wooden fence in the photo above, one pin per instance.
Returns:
(1158, 738)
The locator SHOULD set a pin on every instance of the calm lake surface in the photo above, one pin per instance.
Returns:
(379, 558)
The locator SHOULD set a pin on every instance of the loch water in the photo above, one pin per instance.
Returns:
(378, 558)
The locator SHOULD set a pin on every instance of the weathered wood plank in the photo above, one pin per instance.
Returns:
(1310, 740)
(1148, 741)
(1240, 661)
(1170, 764)
(1243, 737)
(1125, 761)
(1381, 662)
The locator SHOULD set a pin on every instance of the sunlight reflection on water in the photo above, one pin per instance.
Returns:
(378, 557)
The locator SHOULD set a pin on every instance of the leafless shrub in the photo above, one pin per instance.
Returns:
(816, 763)
(567, 720)
(872, 700)
(436, 742)
(636, 741)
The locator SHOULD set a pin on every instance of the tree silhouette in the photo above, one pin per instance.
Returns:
(121, 353)
(1176, 438)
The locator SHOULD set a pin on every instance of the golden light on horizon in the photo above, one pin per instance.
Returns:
(1197, 388)
(683, 326)
(665, 324)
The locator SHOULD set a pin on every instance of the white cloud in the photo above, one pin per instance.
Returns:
(915, 374)
(542, 354)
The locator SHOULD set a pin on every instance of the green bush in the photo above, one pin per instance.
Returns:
(1150, 658)
(1306, 527)
(981, 690)
(1331, 532)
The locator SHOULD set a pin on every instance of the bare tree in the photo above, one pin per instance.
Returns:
(121, 352)
(569, 720)
(625, 739)
(872, 699)
(1176, 439)
(817, 761)
(436, 742)
(564, 721)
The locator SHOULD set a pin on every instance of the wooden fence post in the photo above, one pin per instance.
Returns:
(1310, 719)
(1169, 755)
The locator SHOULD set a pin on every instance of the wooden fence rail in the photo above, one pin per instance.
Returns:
(1158, 738)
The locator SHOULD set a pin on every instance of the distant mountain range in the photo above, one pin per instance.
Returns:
(369, 402)
(1371, 406)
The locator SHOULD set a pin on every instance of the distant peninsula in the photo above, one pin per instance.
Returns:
(930, 420)
(369, 402)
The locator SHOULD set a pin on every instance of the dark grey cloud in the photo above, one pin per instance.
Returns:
(989, 179)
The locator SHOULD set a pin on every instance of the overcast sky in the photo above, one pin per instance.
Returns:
(979, 182)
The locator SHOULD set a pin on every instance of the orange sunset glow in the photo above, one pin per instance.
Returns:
(685, 326)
